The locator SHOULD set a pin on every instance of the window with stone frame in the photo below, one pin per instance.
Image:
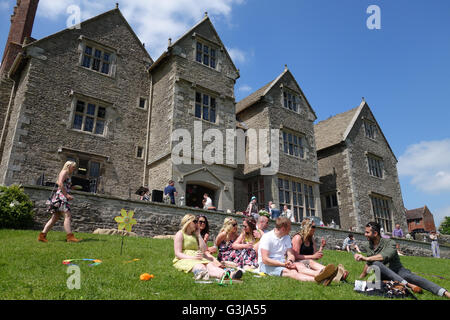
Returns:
(293, 144)
(298, 197)
(382, 211)
(291, 100)
(376, 166)
(97, 59)
(370, 129)
(206, 55)
(255, 188)
(143, 102)
(205, 107)
(140, 152)
(89, 117)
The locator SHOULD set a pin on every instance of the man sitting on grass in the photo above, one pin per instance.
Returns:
(382, 253)
(275, 245)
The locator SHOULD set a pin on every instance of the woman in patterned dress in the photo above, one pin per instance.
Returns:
(60, 203)
(224, 242)
(245, 243)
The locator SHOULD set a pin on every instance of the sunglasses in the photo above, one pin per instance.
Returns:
(202, 221)
(195, 221)
(234, 224)
(313, 227)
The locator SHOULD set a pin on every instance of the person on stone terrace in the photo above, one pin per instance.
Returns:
(190, 248)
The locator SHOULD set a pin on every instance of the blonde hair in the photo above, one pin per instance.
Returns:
(306, 229)
(227, 225)
(187, 219)
(69, 164)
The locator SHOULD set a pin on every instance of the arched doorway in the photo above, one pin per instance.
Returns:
(194, 195)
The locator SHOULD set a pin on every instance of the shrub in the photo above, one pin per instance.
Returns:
(16, 209)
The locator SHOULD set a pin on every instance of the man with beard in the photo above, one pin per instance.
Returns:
(382, 252)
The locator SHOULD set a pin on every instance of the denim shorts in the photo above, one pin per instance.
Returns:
(271, 270)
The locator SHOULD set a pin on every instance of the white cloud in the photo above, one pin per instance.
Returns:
(154, 21)
(245, 88)
(428, 165)
(237, 55)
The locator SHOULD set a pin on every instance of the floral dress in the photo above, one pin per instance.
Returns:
(59, 202)
(243, 257)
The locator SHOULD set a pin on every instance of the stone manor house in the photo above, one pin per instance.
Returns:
(94, 95)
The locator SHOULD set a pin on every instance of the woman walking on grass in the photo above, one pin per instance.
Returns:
(60, 203)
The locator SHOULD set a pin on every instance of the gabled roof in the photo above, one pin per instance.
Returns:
(260, 93)
(415, 213)
(166, 53)
(335, 130)
(100, 16)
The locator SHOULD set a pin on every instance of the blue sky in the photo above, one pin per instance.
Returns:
(402, 69)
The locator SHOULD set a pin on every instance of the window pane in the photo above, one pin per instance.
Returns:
(205, 113)
(280, 183)
(213, 53)
(199, 56)
(86, 62)
(206, 60)
(213, 63)
(95, 169)
(212, 115)
(286, 184)
(281, 196)
(294, 198)
(80, 106)
(88, 50)
(100, 127)
(294, 186)
(206, 49)
(102, 112)
(287, 197)
(198, 111)
(83, 167)
(213, 102)
(91, 109)
(205, 100)
(199, 46)
(142, 103)
(96, 65)
(106, 57)
(98, 53)
(89, 124)
(105, 68)
(77, 122)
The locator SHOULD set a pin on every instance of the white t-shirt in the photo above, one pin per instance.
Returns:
(277, 247)
(208, 203)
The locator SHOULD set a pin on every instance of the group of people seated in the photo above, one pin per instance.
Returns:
(276, 254)
(253, 248)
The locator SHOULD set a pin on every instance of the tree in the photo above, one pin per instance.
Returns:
(445, 226)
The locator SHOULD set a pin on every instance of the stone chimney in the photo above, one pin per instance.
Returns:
(22, 21)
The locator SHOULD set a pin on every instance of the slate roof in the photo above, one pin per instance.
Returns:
(253, 98)
(333, 130)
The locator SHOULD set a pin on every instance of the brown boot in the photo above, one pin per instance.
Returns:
(71, 238)
(414, 288)
(42, 237)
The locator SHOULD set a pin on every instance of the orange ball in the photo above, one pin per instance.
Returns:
(146, 277)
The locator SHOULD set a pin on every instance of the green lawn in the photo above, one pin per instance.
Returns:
(33, 270)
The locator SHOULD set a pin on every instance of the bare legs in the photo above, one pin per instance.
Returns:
(55, 218)
(296, 275)
(213, 270)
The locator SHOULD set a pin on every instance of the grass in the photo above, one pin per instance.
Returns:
(30, 270)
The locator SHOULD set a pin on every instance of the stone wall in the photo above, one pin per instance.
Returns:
(41, 137)
(90, 212)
